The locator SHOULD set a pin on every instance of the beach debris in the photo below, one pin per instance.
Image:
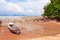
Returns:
(0, 23)
(14, 29)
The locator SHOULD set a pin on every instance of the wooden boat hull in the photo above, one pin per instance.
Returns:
(15, 31)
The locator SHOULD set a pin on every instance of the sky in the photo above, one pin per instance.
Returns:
(22, 7)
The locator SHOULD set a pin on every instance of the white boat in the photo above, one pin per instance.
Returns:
(13, 28)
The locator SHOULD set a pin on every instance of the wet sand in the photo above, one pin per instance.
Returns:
(32, 31)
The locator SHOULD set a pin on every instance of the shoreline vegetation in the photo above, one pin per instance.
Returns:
(52, 10)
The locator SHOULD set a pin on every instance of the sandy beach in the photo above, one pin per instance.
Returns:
(30, 30)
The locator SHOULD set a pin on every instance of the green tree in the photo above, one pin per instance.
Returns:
(52, 10)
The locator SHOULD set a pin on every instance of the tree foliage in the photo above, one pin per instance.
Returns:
(52, 10)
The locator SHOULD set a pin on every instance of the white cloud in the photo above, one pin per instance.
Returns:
(2, 1)
(13, 8)
(31, 6)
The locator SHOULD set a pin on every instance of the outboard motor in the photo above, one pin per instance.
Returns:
(14, 29)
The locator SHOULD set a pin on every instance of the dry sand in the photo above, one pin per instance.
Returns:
(32, 31)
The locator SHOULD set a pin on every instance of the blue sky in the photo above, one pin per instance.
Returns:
(22, 7)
